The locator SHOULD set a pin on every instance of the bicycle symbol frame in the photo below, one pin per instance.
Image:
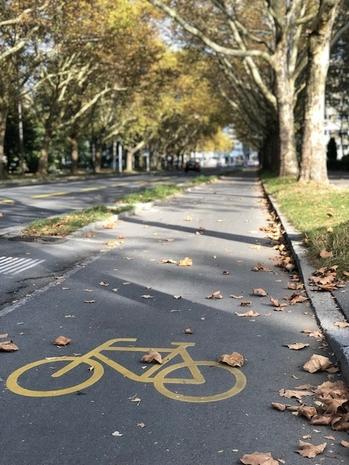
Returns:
(156, 374)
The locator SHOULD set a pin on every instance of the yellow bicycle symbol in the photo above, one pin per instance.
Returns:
(156, 374)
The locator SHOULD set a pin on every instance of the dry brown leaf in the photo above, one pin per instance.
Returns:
(313, 333)
(321, 420)
(92, 301)
(236, 296)
(185, 262)
(297, 346)
(259, 292)
(342, 324)
(249, 314)
(216, 295)
(345, 443)
(245, 303)
(326, 254)
(317, 363)
(306, 449)
(289, 393)
(8, 346)
(295, 286)
(258, 458)
(61, 341)
(307, 411)
(188, 331)
(168, 260)
(110, 225)
(278, 406)
(297, 299)
(152, 356)
(261, 267)
(276, 303)
(234, 359)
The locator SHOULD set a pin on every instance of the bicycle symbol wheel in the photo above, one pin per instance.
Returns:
(13, 381)
(160, 381)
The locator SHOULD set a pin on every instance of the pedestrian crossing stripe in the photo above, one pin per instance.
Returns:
(15, 265)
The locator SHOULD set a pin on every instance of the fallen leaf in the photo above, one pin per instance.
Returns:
(278, 406)
(185, 262)
(313, 333)
(297, 298)
(289, 393)
(141, 425)
(110, 225)
(104, 284)
(276, 303)
(234, 359)
(89, 301)
(216, 295)
(249, 314)
(169, 260)
(345, 443)
(317, 363)
(259, 292)
(245, 303)
(152, 356)
(147, 296)
(188, 331)
(258, 458)
(177, 297)
(61, 341)
(8, 346)
(326, 254)
(307, 411)
(261, 267)
(236, 296)
(342, 324)
(306, 449)
(295, 286)
(226, 273)
(117, 434)
(297, 346)
(321, 420)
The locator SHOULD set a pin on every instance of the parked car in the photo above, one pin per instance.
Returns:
(192, 165)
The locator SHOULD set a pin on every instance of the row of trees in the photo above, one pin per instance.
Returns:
(100, 71)
(273, 58)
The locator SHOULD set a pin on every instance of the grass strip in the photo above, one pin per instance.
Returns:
(66, 224)
(320, 212)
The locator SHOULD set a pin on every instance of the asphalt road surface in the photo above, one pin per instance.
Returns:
(108, 409)
(22, 204)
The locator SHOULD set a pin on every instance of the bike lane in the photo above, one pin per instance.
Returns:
(121, 414)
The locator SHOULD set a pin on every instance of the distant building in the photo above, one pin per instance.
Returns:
(337, 126)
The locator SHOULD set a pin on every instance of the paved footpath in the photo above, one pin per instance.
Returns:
(126, 415)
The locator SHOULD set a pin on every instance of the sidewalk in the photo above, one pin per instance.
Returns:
(129, 293)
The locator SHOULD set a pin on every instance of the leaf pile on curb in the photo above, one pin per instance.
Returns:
(325, 279)
(331, 404)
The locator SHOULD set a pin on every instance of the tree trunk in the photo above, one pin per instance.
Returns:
(314, 159)
(98, 159)
(3, 118)
(74, 154)
(129, 160)
(270, 157)
(285, 91)
(43, 160)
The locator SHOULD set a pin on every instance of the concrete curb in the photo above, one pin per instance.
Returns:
(326, 308)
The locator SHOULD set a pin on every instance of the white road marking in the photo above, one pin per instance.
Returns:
(15, 265)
